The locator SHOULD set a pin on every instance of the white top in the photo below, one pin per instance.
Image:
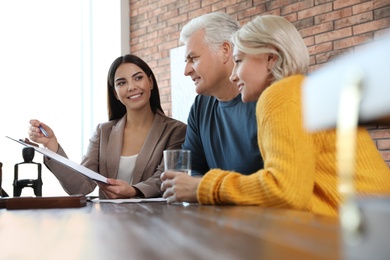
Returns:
(126, 168)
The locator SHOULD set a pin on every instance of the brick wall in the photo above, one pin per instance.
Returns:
(329, 28)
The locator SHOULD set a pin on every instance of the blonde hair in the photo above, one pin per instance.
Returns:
(274, 34)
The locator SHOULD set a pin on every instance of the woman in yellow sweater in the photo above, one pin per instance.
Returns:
(300, 170)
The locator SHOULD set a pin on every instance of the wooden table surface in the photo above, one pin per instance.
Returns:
(156, 230)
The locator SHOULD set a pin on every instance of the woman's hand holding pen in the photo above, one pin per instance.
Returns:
(41, 133)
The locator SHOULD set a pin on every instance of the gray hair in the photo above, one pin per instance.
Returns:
(267, 32)
(218, 28)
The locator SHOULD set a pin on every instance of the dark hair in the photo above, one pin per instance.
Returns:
(116, 109)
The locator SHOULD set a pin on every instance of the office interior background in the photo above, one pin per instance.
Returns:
(55, 56)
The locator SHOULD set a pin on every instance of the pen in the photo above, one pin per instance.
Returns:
(43, 131)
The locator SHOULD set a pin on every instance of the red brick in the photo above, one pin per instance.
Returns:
(385, 155)
(166, 106)
(254, 11)
(383, 144)
(178, 5)
(331, 16)
(304, 23)
(352, 41)
(148, 36)
(272, 12)
(167, 30)
(156, 12)
(320, 9)
(222, 5)
(291, 17)
(160, 55)
(164, 2)
(314, 30)
(164, 88)
(138, 18)
(165, 98)
(199, 12)
(147, 23)
(258, 2)
(167, 15)
(371, 26)
(190, 7)
(292, 8)
(162, 62)
(139, 46)
(137, 4)
(238, 7)
(137, 33)
(333, 35)
(312, 60)
(177, 20)
(208, 2)
(157, 26)
(147, 8)
(320, 48)
(278, 4)
(150, 50)
(363, 7)
(167, 45)
(162, 69)
(353, 20)
(163, 76)
(329, 56)
(309, 40)
(381, 13)
(380, 133)
(380, 3)
(343, 3)
(152, 44)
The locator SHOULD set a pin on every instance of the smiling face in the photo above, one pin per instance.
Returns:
(132, 87)
(251, 73)
(204, 66)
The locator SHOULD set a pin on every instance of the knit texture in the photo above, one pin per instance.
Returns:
(300, 168)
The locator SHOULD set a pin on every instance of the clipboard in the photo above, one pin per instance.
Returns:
(65, 161)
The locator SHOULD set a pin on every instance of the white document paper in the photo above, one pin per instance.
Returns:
(97, 200)
(65, 161)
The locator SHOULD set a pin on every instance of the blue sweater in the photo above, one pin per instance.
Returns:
(222, 135)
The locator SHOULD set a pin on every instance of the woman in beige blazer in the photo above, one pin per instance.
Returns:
(128, 149)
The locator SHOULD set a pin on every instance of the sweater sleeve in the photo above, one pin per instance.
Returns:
(287, 179)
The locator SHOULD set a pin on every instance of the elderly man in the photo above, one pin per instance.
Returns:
(221, 129)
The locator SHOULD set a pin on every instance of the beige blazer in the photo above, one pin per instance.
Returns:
(104, 153)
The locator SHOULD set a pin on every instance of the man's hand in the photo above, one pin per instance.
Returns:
(179, 187)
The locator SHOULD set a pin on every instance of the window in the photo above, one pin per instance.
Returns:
(54, 61)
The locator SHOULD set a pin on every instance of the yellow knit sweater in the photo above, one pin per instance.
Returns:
(300, 170)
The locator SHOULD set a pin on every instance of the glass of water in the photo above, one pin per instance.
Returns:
(177, 161)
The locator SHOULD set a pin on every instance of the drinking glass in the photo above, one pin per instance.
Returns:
(178, 161)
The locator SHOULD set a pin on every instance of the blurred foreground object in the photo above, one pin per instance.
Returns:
(322, 89)
(353, 90)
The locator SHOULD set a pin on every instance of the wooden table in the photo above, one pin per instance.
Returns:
(157, 230)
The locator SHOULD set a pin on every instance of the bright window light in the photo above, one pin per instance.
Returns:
(54, 61)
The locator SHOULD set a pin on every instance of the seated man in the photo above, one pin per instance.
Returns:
(221, 129)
